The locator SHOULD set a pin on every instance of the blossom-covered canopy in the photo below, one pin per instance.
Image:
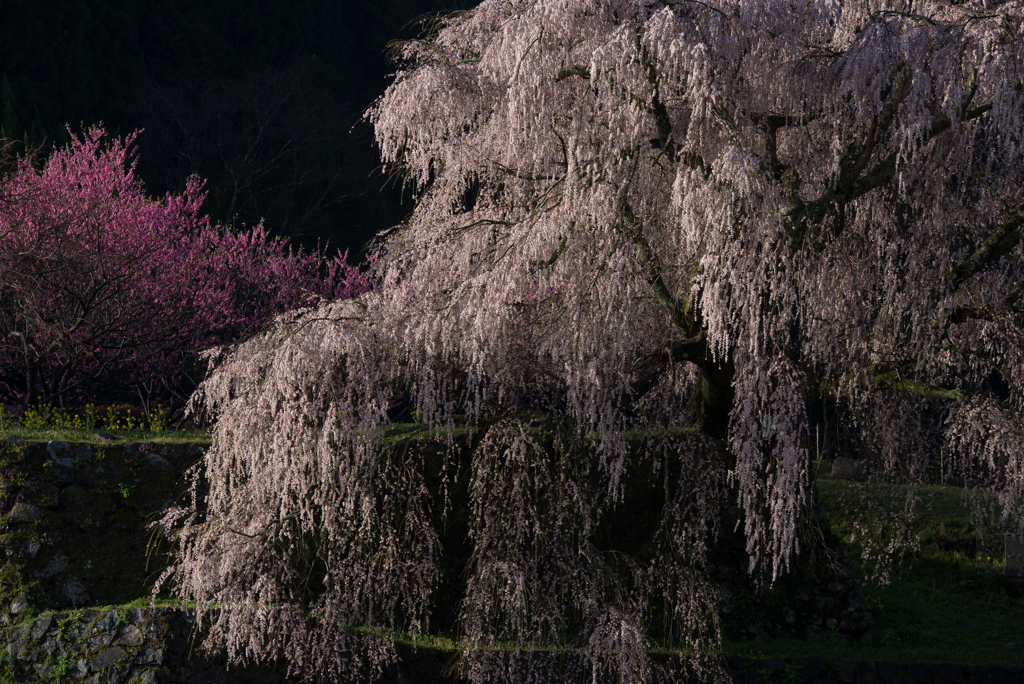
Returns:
(667, 213)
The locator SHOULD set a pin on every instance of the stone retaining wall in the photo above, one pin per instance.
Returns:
(74, 521)
(120, 646)
(155, 645)
(74, 532)
(74, 527)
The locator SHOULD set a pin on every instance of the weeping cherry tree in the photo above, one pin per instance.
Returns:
(667, 214)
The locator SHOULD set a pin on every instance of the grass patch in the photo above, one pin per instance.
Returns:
(944, 601)
(93, 425)
(118, 436)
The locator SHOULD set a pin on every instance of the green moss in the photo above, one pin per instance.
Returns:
(120, 437)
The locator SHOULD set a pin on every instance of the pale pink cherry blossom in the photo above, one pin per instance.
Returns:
(661, 214)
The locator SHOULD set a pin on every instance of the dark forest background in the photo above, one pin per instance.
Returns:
(261, 98)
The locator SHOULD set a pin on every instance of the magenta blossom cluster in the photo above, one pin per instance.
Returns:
(106, 293)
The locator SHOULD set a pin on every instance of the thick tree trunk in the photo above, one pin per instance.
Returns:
(712, 399)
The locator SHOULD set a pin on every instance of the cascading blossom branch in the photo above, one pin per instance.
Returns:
(737, 207)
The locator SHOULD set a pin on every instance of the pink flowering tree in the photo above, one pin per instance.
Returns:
(225, 285)
(108, 291)
(702, 214)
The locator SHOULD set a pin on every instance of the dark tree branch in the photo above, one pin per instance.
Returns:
(884, 375)
(1002, 240)
(574, 70)
(680, 314)
(648, 369)
(659, 111)
(1014, 296)
(538, 264)
(991, 364)
(851, 184)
